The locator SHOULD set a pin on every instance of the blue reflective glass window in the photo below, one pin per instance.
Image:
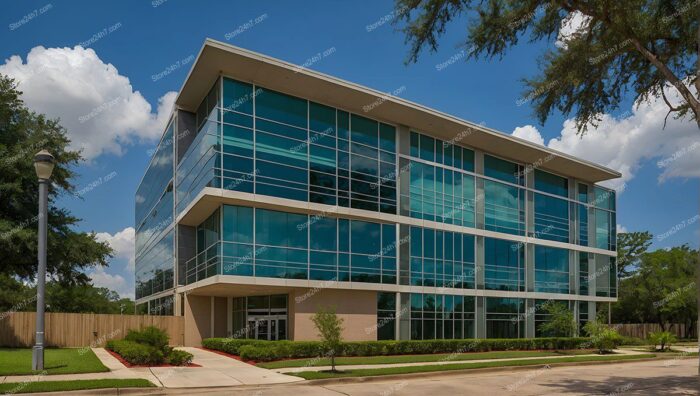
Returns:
(323, 233)
(364, 131)
(503, 265)
(583, 193)
(237, 224)
(427, 148)
(238, 96)
(550, 183)
(415, 145)
(279, 107)
(365, 237)
(387, 137)
(503, 170)
(503, 208)
(551, 218)
(281, 229)
(551, 270)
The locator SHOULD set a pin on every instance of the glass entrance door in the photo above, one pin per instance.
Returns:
(268, 327)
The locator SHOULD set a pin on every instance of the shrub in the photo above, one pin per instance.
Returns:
(229, 345)
(136, 353)
(663, 339)
(180, 358)
(603, 337)
(152, 336)
(262, 351)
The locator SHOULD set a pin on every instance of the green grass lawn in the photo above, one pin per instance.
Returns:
(56, 386)
(18, 361)
(345, 361)
(309, 375)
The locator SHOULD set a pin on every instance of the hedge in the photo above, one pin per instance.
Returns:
(263, 351)
(230, 345)
(136, 353)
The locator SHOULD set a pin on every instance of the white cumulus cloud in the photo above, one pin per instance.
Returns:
(529, 132)
(115, 282)
(574, 24)
(123, 243)
(98, 106)
(626, 142)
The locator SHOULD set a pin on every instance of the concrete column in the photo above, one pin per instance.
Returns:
(197, 319)
(529, 318)
(405, 319)
(479, 266)
(529, 257)
(480, 317)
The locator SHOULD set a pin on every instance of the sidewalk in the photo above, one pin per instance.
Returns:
(216, 371)
(442, 362)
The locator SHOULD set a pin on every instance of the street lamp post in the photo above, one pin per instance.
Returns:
(43, 164)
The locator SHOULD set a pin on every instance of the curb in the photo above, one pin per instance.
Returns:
(433, 374)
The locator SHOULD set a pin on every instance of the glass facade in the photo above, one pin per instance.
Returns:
(467, 220)
(505, 317)
(267, 243)
(436, 316)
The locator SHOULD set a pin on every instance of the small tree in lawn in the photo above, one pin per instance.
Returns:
(561, 321)
(330, 327)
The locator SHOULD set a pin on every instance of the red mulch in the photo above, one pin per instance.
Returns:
(129, 365)
(222, 353)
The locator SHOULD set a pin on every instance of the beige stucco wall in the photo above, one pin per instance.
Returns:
(357, 308)
(220, 316)
(197, 319)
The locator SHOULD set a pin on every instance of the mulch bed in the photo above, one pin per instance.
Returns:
(129, 365)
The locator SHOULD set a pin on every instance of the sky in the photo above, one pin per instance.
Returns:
(110, 71)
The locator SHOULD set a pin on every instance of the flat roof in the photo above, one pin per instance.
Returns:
(217, 58)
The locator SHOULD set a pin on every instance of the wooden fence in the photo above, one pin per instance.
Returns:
(642, 330)
(17, 329)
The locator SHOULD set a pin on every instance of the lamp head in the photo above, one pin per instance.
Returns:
(43, 164)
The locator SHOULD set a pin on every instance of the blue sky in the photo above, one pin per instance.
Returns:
(145, 39)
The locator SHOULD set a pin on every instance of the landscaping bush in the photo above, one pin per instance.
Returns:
(152, 336)
(263, 351)
(136, 353)
(663, 339)
(603, 337)
(148, 346)
(180, 358)
(229, 345)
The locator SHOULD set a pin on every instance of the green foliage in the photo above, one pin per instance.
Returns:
(78, 298)
(151, 336)
(275, 350)
(180, 358)
(663, 290)
(663, 339)
(70, 253)
(638, 46)
(135, 353)
(561, 322)
(229, 345)
(603, 337)
(630, 248)
(330, 328)
(149, 346)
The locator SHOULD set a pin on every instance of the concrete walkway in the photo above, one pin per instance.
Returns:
(216, 371)
(437, 363)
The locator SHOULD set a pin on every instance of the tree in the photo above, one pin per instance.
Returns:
(330, 328)
(70, 253)
(561, 321)
(603, 337)
(662, 290)
(630, 247)
(617, 46)
(17, 296)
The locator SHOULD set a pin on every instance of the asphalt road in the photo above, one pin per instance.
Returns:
(661, 377)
